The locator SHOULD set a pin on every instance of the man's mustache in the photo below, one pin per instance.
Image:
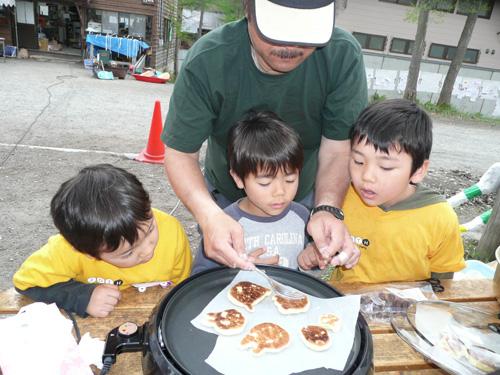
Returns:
(286, 53)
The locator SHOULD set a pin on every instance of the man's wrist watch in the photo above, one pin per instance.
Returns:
(337, 212)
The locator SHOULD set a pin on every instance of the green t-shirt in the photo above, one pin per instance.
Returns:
(219, 83)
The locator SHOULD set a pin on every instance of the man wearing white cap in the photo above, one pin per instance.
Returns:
(286, 57)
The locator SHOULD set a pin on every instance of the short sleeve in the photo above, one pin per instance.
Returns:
(448, 254)
(191, 114)
(349, 94)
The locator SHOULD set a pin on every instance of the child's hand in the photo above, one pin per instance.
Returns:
(310, 258)
(254, 257)
(103, 300)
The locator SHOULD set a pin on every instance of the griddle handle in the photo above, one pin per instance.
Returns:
(118, 342)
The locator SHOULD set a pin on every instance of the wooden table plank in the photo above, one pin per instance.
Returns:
(11, 301)
(455, 290)
(434, 371)
(126, 364)
(391, 354)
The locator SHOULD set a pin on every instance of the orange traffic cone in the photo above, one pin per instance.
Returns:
(155, 150)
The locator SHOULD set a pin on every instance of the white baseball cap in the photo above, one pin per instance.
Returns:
(295, 22)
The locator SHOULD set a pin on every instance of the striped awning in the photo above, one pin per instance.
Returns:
(8, 3)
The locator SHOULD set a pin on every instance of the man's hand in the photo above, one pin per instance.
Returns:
(223, 241)
(332, 240)
(103, 300)
(255, 257)
(347, 258)
(310, 258)
(222, 236)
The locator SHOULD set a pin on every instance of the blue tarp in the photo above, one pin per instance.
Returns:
(124, 46)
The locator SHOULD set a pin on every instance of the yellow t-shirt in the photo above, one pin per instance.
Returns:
(405, 244)
(58, 261)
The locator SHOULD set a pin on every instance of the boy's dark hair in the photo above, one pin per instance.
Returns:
(99, 208)
(263, 141)
(396, 123)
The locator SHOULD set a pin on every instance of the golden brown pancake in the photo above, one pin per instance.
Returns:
(266, 337)
(291, 306)
(247, 294)
(315, 337)
(227, 322)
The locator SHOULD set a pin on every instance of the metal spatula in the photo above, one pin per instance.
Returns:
(280, 289)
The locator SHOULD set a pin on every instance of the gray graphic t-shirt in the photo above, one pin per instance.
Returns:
(283, 235)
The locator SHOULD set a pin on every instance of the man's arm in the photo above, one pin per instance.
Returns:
(329, 233)
(222, 236)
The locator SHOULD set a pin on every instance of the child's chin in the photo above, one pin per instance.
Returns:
(371, 203)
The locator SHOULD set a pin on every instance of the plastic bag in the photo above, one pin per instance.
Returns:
(380, 305)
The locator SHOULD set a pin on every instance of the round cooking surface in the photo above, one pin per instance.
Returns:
(187, 347)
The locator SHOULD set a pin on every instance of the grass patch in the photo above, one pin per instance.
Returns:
(470, 247)
(451, 112)
(377, 98)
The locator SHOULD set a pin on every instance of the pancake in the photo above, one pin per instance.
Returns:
(266, 337)
(330, 321)
(247, 294)
(315, 337)
(291, 306)
(227, 322)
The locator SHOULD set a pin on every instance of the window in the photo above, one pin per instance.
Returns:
(439, 51)
(484, 12)
(403, 46)
(137, 25)
(168, 30)
(445, 5)
(402, 2)
(109, 22)
(122, 24)
(369, 41)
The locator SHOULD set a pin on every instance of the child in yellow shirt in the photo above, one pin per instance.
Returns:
(109, 238)
(404, 230)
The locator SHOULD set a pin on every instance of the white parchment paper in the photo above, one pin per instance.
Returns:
(228, 358)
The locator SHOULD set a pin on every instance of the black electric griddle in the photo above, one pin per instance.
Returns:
(184, 348)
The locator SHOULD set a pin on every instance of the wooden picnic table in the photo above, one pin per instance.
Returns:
(391, 355)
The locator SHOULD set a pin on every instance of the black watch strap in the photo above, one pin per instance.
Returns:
(335, 211)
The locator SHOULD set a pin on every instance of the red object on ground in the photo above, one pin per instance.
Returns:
(153, 79)
(155, 149)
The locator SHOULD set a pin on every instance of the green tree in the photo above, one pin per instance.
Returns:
(471, 8)
(423, 9)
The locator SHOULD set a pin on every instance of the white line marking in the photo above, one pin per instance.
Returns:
(125, 154)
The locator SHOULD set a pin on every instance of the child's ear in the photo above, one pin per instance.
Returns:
(420, 173)
(237, 180)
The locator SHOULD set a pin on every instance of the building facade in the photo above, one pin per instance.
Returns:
(381, 27)
(387, 38)
(61, 25)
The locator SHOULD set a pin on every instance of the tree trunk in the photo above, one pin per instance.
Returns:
(200, 25)
(416, 58)
(456, 63)
(490, 239)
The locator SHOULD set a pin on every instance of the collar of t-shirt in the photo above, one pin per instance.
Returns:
(422, 197)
